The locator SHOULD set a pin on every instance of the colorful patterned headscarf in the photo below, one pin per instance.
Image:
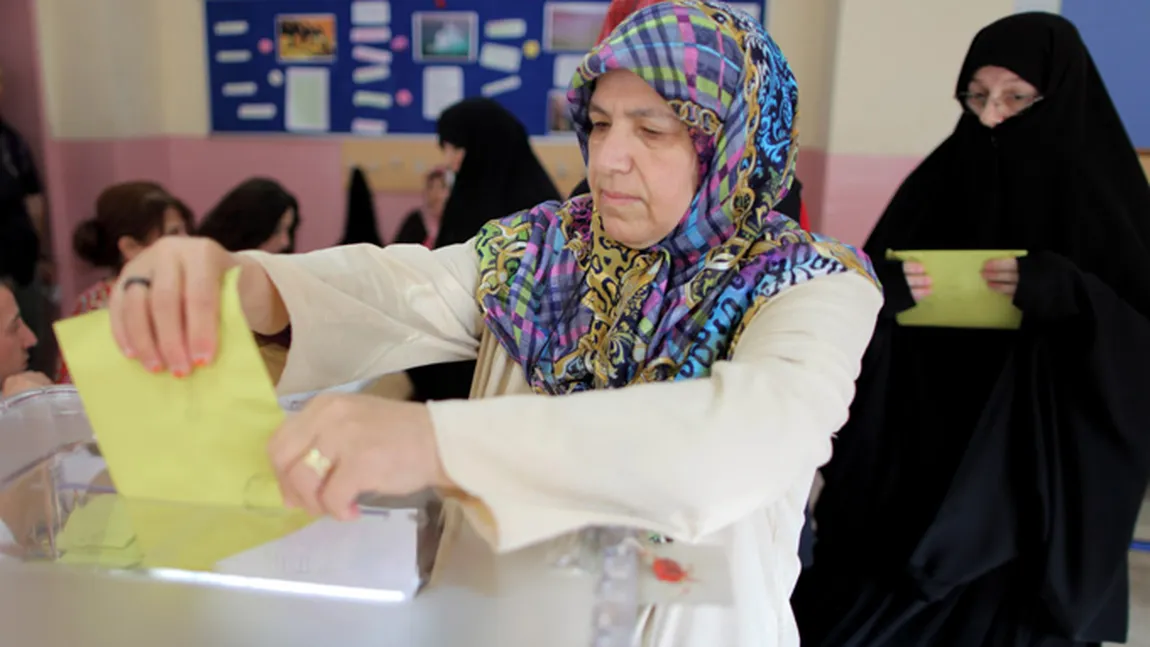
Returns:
(580, 311)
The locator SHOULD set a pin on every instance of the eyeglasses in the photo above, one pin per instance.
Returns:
(1011, 104)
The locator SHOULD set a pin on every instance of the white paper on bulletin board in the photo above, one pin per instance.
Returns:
(566, 65)
(307, 100)
(506, 28)
(370, 12)
(442, 88)
(501, 58)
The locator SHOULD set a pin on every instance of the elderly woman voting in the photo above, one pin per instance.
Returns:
(705, 347)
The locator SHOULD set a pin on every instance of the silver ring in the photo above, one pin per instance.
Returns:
(135, 280)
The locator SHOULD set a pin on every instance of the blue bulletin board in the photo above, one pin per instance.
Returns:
(1116, 33)
(377, 67)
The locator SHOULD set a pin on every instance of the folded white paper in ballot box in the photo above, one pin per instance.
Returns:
(57, 504)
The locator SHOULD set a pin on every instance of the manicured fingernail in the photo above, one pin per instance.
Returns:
(180, 372)
(129, 353)
(201, 360)
(154, 367)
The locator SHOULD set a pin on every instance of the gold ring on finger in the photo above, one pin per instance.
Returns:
(319, 463)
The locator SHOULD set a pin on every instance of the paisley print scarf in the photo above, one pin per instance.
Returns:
(580, 311)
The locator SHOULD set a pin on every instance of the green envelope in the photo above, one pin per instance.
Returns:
(959, 297)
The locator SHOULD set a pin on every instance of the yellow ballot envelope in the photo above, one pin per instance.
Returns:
(192, 448)
(99, 533)
(960, 297)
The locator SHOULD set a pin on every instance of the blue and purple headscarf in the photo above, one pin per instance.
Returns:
(580, 311)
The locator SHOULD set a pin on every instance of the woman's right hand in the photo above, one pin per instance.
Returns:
(917, 279)
(165, 307)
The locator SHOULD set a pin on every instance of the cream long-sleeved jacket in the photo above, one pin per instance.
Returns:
(726, 460)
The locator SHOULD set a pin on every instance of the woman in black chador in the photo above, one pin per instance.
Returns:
(986, 488)
(496, 174)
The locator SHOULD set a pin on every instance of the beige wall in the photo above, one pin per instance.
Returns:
(877, 77)
(805, 30)
(184, 74)
(123, 68)
(101, 67)
(896, 66)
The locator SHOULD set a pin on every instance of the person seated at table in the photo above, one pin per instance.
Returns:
(421, 226)
(129, 217)
(702, 348)
(987, 486)
(259, 213)
(16, 340)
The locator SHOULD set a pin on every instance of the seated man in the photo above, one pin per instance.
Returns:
(16, 339)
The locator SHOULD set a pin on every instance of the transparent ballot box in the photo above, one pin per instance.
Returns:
(81, 565)
(58, 505)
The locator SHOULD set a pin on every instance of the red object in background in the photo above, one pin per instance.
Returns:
(439, 4)
(618, 12)
(804, 219)
(668, 570)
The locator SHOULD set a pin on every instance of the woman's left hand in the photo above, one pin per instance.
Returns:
(1001, 274)
(341, 446)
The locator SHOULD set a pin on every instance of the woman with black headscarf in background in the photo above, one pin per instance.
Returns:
(986, 488)
(496, 174)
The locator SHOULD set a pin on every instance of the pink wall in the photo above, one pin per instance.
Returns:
(846, 194)
(857, 190)
(21, 102)
(812, 170)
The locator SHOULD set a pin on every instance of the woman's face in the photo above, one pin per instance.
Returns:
(173, 225)
(280, 239)
(435, 195)
(452, 156)
(642, 166)
(996, 94)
